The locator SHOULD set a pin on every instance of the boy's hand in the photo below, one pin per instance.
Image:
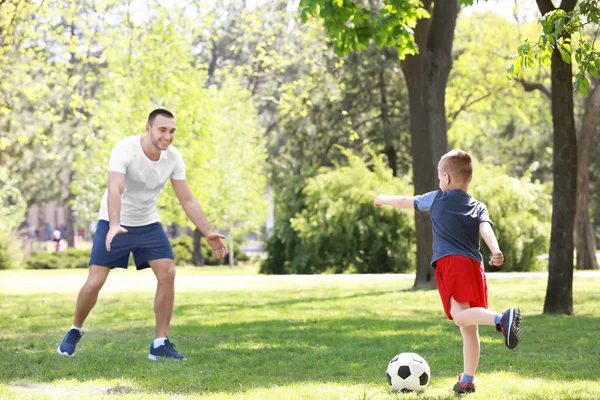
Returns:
(497, 258)
(379, 201)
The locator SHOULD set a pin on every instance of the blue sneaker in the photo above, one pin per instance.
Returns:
(510, 326)
(67, 347)
(167, 350)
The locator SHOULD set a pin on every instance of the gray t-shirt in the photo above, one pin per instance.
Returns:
(144, 180)
(455, 218)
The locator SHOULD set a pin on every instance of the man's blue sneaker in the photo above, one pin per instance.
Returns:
(167, 350)
(510, 326)
(67, 347)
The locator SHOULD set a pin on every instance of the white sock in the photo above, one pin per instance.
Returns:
(159, 342)
(76, 327)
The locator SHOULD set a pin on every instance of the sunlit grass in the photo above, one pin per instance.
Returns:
(273, 337)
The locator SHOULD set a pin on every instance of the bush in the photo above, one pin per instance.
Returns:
(521, 212)
(11, 253)
(283, 246)
(70, 258)
(340, 231)
(183, 248)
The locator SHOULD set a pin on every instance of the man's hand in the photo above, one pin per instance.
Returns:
(497, 258)
(379, 201)
(216, 244)
(112, 232)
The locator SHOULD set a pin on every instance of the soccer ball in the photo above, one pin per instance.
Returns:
(408, 372)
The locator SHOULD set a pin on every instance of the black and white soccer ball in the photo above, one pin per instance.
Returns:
(408, 372)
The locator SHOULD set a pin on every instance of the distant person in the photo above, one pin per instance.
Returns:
(56, 237)
(47, 231)
(138, 169)
(457, 220)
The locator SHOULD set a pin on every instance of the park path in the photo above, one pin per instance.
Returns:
(144, 280)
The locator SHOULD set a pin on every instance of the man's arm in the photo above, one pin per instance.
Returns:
(489, 237)
(395, 201)
(116, 186)
(194, 212)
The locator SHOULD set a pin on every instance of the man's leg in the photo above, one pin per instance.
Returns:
(164, 269)
(88, 295)
(85, 302)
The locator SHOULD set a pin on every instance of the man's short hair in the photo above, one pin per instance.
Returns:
(159, 111)
(458, 163)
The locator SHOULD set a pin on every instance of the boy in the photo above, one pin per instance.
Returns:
(457, 220)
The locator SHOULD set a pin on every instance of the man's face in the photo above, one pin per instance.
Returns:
(162, 131)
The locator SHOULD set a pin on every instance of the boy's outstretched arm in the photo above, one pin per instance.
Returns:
(395, 201)
(488, 235)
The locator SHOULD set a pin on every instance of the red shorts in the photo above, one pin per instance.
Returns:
(462, 278)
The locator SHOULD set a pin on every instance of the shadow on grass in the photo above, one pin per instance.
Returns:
(241, 356)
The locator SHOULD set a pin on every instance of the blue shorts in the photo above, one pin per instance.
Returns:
(147, 243)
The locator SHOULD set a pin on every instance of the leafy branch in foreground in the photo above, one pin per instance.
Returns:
(558, 27)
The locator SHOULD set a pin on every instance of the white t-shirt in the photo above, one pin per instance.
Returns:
(144, 180)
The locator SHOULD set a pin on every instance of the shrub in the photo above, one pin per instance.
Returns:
(340, 231)
(283, 246)
(11, 252)
(521, 212)
(70, 258)
(183, 248)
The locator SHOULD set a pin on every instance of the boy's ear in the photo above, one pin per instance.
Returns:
(447, 178)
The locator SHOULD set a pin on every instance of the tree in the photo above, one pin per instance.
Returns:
(554, 46)
(585, 241)
(425, 45)
(214, 125)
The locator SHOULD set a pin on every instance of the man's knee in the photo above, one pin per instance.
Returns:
(97, 276)
(165, 272)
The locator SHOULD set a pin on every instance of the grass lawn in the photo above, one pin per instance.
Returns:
(270, 337)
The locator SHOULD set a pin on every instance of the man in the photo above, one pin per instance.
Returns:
(138, 169)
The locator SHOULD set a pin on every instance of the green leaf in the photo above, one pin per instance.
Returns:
(565, 55)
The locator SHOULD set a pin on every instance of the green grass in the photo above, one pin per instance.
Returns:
(257, 337)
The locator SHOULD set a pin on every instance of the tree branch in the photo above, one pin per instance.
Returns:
(545, 6)
(568, 5)
(531, 86)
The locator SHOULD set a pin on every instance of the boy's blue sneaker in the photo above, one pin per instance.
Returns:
(167, 350)
(510, 326)
(67, 347)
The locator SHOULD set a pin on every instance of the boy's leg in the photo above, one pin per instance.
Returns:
(88, 295)
(464, 315)
(471, 348)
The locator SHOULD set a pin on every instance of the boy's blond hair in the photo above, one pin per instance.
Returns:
(458, 164)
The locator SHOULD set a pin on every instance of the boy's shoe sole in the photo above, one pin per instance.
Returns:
(512, 332)
(158, 358)
(65, 353)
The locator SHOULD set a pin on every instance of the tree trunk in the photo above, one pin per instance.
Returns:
(388, 134)
(197, 256)
(559, 294)
(585, 242)
(426, 77)
(69, 222)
